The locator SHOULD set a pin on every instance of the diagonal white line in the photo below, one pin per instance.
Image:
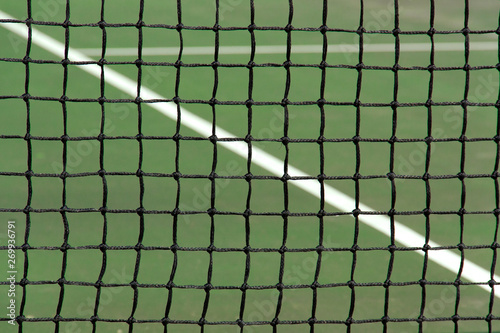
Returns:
(405, 236)
(281, 49)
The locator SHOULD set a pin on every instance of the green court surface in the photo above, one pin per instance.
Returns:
(144, 247)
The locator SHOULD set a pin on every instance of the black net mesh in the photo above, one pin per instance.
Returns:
(168, 284)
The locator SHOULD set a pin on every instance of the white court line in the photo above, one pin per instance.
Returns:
(403, 235)
(281, 49)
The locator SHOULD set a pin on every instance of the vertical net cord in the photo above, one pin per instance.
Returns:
(285, 141)
(321, 177)
(102, 173)
(140, 173)
(495, 245)
(392, 142)
(248, 175)
(213, 175)
(29, 172)
(176, 174)
(357, 104)
(64, 175)
(461, 175)
(425, 178)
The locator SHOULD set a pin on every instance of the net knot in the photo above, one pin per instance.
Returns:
(248, 177)
(287, 64)
(455, 318)
(288, 28)
(251, 27)
(177, 137)
(247, 249)
(354, 248)
(422, 282)
(178, 64)
(351, 284)
(426, 212)
(286, 177)
(311, 321)
(101, 173)
(359, 67)
(387, 284)
(102, 24)
(244, 287)
(165, 321)
(248, 138)
(431, 31)
(396, 31)
(356, 212)
(101, 137)
(496, 138)
(131, 320)
(283, 249)
(464, 103)
(25, 247)
(249, 103)
(61, 282)
(26, 60)
(65, 247)
(323, 64)
(251, 64)
(467, 67)
(495, 246)
(207, 287)
(285, 140)
(489, 318)
(140, 24)
(461, 212)
(457, 282)
(64, 138)
(215, 64)
(174, 248)
(212, 176)
(361, 30)
(138, 247)
(63, 99)
(24, 282)
(391, 176)
(94, 319)
(27, 209)
(202, 322)
(396, 67)
(63, 209)
(27, 137)
(323, 29)
(170, 285)
(465, 31)
(65, 62)
(247, 213)
(103, 247)
(211, 211)
(179, 27)
(394, 104)
(240, 323)
(101, 100)
(28, 174)
(139, 173)
(57, 318)
(321, 102)
(216, 28)
(461, 246)
(461, 175)
(275, 322)
(385, 319)
(426, 247)
(211, 248)
(356, 139)
(213, 139)
(392, 248)
(429, 140)
(25, 97)
(175, 212)
(321, 213)
(492, 283)
(315, 285)
(140, 211)
(321, 139)
(357, 176)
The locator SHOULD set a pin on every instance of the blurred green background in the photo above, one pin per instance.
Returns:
(122, 155)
